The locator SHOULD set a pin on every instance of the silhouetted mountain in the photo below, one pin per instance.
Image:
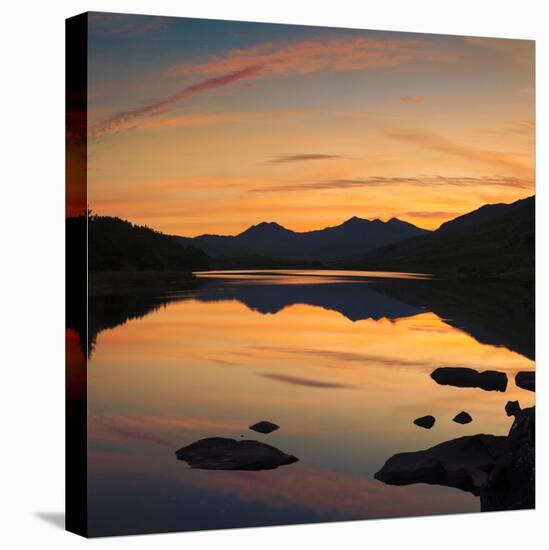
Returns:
(496, 239)
(269, 239)
(118, 245)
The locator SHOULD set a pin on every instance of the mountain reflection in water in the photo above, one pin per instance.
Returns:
(492, 312)
(341, 362)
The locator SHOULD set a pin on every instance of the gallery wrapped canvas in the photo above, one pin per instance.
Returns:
(300, 274)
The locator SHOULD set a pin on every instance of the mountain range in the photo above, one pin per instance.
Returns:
(494, 239)
(352, 238)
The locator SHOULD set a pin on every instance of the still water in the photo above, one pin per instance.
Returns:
(339, 360)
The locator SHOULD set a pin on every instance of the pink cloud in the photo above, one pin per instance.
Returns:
(113, 122)
(275, 58)
(321, 54)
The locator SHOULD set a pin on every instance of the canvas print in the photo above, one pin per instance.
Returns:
(300, 274)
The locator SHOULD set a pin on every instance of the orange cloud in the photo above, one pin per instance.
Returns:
(411, 99)
(301, 158)
(431, 214)
(441, 144)
(380, 181)
(521, 128)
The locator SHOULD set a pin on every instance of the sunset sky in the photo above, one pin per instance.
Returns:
(200, 126)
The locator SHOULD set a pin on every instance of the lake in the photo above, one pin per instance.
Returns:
(340, 360)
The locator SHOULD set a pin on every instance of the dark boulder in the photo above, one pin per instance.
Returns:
(489, 380)
(463, 418)
(526, 380)
(463, 463)
(511, 484)
(220, 453)
(264, 427)
(499, 469)
(425, 422)
(512, 408)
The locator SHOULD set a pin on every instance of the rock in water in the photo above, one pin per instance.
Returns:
(425, 422)
(489, 380)
(511, 484)
(498, 468)
(264, 427)
(463, 418)
(463, 463)
(220, 453)
(526, 380)
(512, 408)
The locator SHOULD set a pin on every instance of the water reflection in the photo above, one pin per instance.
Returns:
(341, 365)
(495, 313)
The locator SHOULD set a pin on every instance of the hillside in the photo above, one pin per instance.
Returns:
(495, 240)
(118, 245)
(271, 240)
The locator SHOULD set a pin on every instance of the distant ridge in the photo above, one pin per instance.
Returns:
(353, 237)
(495, 239)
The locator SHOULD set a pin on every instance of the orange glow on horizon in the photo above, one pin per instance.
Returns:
(311, 131)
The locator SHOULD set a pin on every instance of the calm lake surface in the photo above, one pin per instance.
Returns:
(340, 360)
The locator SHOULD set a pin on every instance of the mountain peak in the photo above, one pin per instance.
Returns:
(354, 220)
(265, 228)
(268, 224)
(271, 240)
(397, 221)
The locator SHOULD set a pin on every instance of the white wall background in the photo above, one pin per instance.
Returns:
(31, 273)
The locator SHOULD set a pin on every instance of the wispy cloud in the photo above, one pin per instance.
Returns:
(322, 54)
(412, 99)
(277, 58)
(298, 381)
(300, 158)
(521, 128)
(381, 181)
(430, 214)
(438, 143)
(113, 122)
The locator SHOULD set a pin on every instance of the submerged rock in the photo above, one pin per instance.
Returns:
(425, 421)
(220, 453)
(463, 463)
(512, 408)
(526, 380)
(264, 427)
(489, 380)
(463, 418)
